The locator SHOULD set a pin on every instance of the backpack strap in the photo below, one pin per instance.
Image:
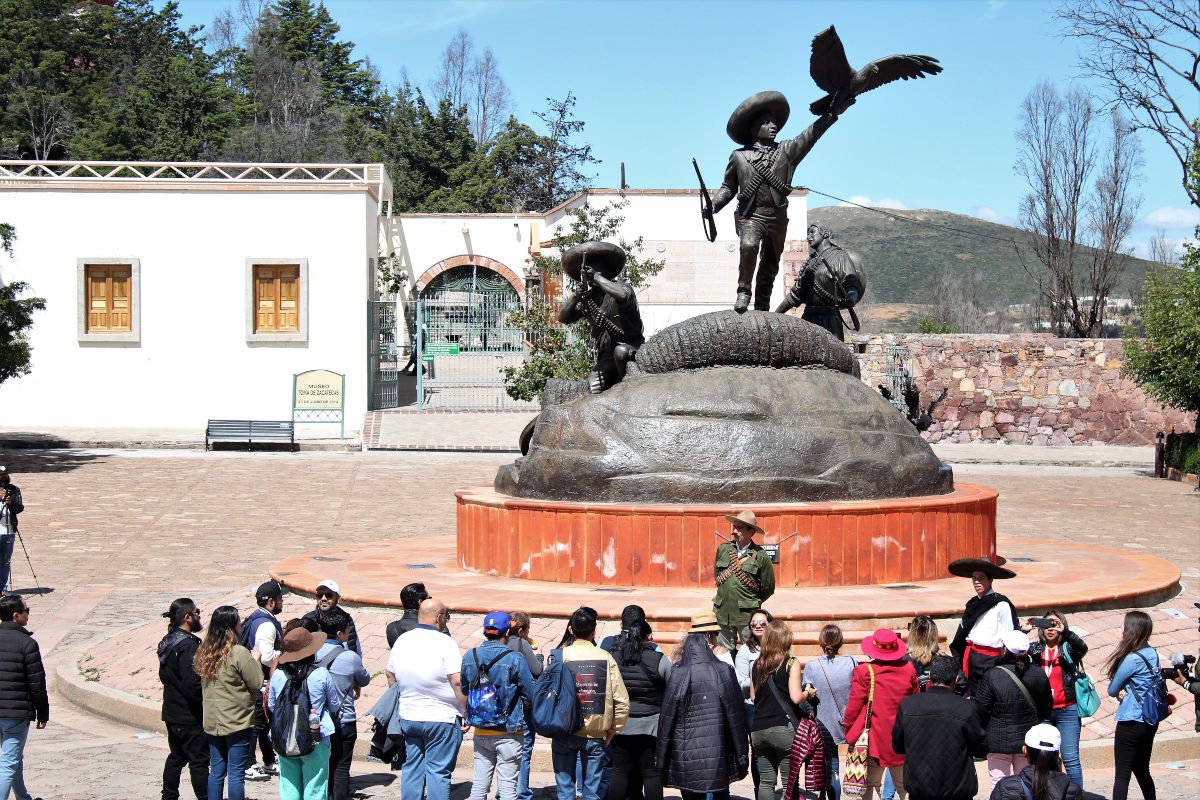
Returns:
(1020, 685)
(784, 702)
(328, 660)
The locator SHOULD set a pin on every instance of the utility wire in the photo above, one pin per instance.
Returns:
(901, 217)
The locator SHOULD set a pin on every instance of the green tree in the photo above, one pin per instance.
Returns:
(426, 152)
(557, 351)
(1167, 361)
(16, 317)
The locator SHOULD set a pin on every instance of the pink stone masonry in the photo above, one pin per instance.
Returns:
(1026, 389)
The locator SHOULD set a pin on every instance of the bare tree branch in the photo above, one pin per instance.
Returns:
(1146, 54)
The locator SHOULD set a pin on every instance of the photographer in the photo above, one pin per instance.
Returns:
(1059, 652)
(1185, 677)
(10, 507)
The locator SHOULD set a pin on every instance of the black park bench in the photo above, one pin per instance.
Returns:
(250, 431)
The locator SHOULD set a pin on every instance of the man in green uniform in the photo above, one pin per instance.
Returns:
(744, 575)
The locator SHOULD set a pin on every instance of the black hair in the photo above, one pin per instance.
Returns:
(299, 669)
(412, 595)
(943, 669)
(11, 605)
(311, 625)
(494, 637)
(179, 611)
(583, 623)
(630, 641)
(334, 621)
(1043, 762)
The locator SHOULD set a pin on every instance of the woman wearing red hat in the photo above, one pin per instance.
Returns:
(876, 689)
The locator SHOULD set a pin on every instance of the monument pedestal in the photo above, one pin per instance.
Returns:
(842, 543)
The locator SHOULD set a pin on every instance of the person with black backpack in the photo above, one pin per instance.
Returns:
(1043, 779)
(498, 684)
(183, 701)
(349, 676)
(645, 670)
(304, 702)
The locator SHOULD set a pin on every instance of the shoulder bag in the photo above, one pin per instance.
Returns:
(854, 782)
(1020, 685)
(1087, 699)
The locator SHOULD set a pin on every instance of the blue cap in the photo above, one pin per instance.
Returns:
(497, 622)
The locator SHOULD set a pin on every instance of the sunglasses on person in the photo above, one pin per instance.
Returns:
(326, 594)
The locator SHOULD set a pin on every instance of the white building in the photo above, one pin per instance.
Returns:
(178, 293)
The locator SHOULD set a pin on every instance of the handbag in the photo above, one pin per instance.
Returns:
(854, 781)
(1087, 699)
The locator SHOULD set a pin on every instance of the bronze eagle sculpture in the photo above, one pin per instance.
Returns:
(833, 73)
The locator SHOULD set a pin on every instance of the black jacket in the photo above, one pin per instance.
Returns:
(22, 676)
(1076, 650)
(1060, 786)
(1005, 713)
(182, 699)
(17, 505)
(702, 742)
(352, 643)
(642, 680)
(939, 734)
(401, 626)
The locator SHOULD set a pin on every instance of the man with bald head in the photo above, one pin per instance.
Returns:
(426, 663)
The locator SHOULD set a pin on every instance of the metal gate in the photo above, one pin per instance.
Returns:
(465, 340)
(896, 372)
(383, 354)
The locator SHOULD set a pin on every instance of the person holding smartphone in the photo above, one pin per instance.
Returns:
(10, 507)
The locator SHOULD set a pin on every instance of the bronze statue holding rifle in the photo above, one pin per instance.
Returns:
(607, 299)
(759, 175)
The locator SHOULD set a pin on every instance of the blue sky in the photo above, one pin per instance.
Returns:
(656, 81)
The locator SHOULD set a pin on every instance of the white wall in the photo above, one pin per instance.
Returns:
(422, 240)
(193, 361)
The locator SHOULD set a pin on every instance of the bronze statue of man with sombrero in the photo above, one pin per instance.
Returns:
(759, 175)
(979, 641)
(608, 301)
(744, 575)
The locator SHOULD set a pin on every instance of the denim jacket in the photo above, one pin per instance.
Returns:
(511, 675)
(1136, 679)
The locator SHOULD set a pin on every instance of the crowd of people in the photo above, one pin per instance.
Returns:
(627, 717)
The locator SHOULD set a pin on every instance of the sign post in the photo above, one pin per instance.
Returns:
(319, 396)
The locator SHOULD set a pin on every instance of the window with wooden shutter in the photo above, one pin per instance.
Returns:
(107, 301)
(277, 298)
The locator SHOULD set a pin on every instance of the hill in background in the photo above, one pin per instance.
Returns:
(904, 260)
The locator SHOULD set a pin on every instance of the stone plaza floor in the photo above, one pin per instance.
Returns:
(114, 536)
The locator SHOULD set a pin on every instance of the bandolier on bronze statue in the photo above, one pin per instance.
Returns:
(607, 299)
(759, 174)
(832, 279)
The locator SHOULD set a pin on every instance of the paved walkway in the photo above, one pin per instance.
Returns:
(115, 535)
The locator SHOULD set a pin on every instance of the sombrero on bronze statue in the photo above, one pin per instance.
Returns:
(742, 120)
(604, 257)
(963, 568)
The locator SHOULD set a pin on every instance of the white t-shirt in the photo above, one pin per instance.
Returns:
(421, 660)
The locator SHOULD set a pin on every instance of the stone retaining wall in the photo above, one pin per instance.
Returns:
(1027, 389)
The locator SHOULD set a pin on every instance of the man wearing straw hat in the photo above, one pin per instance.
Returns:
(744, 577)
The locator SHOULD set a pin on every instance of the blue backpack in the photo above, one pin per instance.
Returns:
(1155, 707)
(556, 709)
(483, 697)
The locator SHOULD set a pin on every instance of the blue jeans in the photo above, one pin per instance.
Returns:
(888, 792)
(227, 754)
(430, 752)
(1068, 723)
(835, 778)
(7, 542)
(565, 752)
(523, 790)
(12, 751)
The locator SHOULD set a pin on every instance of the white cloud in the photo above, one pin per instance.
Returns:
(1169, 218)
(1141, 245)
(991, 215)
(883, 202)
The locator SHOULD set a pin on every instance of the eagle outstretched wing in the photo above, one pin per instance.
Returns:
(833, 73)
(828, 65)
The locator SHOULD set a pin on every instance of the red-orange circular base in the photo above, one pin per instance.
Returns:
(849, 543)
